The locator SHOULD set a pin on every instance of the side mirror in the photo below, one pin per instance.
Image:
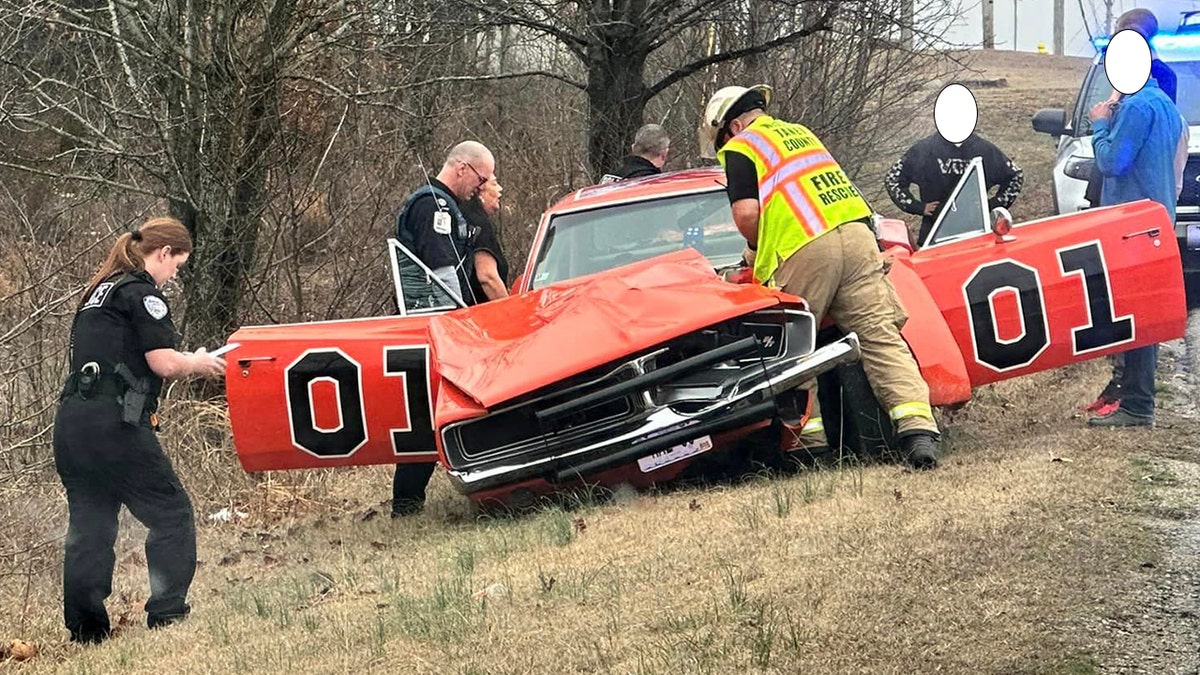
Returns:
(1051, 121)
(1002, 224)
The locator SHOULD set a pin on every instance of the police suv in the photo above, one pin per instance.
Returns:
(1073, 131)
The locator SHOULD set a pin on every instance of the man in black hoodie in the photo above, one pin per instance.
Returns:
(936, 165)
(649, 153)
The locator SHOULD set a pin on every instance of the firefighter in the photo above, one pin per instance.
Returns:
(122, 347)
(808, 231)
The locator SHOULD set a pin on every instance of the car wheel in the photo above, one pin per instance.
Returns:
(854, 420)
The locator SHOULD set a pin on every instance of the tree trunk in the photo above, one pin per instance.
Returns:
(617, 97)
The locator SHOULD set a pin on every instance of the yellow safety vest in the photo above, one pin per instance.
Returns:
(802, 192)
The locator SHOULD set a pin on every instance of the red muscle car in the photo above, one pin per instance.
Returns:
(624, 356)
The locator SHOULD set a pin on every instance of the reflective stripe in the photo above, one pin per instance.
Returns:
(810, 221)
(813, 426)
(793, 167)
(764, 147)
(912, 409)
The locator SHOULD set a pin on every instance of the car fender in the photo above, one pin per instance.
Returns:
(928, 337)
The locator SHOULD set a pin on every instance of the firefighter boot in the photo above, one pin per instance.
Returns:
(920, 449)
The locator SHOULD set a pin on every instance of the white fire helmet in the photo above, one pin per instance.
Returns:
(714, 114)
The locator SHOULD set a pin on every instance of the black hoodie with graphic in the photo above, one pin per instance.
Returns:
(935, 166)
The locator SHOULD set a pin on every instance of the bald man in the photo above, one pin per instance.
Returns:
(432, 225)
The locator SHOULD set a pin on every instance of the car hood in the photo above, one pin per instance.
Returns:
(500, 350)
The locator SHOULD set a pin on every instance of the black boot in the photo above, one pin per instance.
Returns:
(920, 449)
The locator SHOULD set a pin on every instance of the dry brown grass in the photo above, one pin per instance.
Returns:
(991, 564)
(987, 565)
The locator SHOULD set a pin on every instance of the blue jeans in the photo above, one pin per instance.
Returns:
(1137, 382)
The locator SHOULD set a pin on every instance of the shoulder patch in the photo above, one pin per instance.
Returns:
(99, 295)
(155, 306)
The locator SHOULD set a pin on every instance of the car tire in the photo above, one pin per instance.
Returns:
(855, 422)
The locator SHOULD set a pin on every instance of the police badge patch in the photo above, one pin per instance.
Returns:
(155, 307)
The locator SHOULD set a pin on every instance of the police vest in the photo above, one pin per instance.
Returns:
(802, 192)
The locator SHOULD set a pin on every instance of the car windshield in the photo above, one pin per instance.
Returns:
(1188, 91)
(587, 242)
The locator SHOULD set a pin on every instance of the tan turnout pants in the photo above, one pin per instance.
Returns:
(842, 273)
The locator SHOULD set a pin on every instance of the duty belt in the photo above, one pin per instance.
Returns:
(131, 392)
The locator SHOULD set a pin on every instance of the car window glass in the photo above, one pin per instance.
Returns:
(600, 239)
(966, 212)
(418, 290)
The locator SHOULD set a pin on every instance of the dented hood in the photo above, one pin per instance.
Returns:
(500, 350)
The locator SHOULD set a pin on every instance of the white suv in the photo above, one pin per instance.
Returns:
(1073, 131)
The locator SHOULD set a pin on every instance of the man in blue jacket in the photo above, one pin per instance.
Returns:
(1135, 151)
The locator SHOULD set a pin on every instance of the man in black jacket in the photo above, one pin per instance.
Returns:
(650, 147)
(936, 165)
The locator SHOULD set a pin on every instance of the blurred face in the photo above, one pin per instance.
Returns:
(489, 196)
(164, 263)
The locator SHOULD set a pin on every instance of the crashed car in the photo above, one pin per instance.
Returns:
(625, 355)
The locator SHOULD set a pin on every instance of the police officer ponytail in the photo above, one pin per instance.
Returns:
(130, 248)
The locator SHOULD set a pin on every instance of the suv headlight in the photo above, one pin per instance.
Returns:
(1079, 167)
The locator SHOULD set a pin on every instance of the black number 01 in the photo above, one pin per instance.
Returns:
(1104, 328)
(345, 373)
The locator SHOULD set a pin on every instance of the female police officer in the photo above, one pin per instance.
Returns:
(105, 450)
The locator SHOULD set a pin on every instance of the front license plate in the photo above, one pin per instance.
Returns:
(682, 451)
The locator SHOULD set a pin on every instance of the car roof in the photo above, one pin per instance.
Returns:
(639, 189)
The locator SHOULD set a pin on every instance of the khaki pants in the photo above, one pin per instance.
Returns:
(841, 273)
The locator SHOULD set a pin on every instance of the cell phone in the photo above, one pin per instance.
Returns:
(221, 351)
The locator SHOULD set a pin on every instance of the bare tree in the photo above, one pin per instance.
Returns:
(613, 43)
(184, 101)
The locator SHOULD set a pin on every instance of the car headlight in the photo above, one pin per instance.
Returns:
(1079, 167)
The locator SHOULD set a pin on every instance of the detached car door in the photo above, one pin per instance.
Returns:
(1052, 291)
(340, 393)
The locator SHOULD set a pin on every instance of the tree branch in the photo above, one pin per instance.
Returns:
(679, 74)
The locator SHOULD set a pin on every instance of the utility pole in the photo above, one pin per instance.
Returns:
(989, 26)
(1059, 12)
(1014, 25)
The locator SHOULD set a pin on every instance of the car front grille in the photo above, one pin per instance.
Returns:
(523, 430)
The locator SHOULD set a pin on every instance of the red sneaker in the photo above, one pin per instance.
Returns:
(1107, 408)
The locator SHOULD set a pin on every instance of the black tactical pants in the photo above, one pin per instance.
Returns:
(408, 488)
(104, 464)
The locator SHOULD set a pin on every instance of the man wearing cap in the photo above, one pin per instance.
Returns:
(808, 232)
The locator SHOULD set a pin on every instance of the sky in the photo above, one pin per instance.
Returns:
(1034, 22)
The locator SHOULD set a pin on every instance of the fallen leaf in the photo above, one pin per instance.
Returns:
(694, 505)
(378, 545)
(369, 515)
(229, 559)
(897, 494)
(20, 650)
(270, 560)
(580, 525)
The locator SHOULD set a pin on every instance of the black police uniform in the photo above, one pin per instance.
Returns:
(107, 455)
(414, 229)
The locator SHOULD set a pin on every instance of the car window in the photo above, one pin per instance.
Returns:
(587, 242)
(418, 290)
(965, 213)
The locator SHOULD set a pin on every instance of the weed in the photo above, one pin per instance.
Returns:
(782, 492)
